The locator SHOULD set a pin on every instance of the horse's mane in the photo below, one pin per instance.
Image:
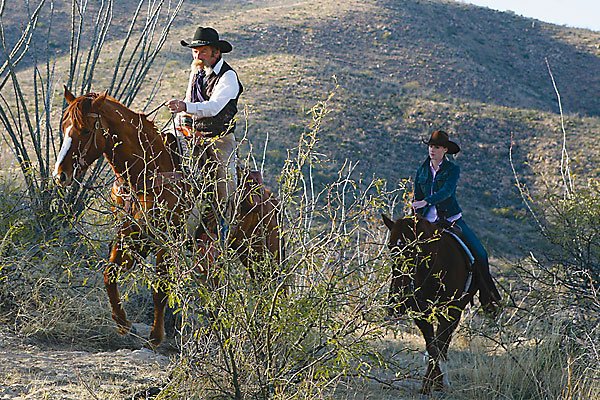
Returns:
(418, 222)
(427, 228)
(81, 106)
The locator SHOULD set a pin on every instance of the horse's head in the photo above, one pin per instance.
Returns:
(407, 230)
(411, 238)
(409, 242)
(85, 139)
(402, 231)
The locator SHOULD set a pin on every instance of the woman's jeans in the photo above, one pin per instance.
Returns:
(481, 264)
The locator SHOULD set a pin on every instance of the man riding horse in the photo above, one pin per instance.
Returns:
(209, 113)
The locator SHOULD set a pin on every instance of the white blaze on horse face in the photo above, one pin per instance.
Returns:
(63, 150)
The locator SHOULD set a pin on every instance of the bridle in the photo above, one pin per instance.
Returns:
(80, 162)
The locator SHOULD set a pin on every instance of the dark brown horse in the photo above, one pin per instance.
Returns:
(150, 195)
(431, 281)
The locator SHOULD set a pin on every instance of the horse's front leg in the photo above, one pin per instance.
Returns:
(400, 296)
(443, 336)
(120, 259)
(446, 328)
(433, 368)
(159, 297)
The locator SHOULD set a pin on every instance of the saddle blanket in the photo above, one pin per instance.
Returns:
(463, 245)
(469, 257)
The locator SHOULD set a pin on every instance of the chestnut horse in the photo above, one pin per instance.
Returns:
(431, 280)
(150, 195)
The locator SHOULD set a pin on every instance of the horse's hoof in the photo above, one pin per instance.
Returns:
(148, 346)
(439, 385)
(153, 342)
(425, 391)
(428, 386)
(149, 393)
(125, 329)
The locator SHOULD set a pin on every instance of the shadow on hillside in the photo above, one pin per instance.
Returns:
(457, 50)
(460, 51)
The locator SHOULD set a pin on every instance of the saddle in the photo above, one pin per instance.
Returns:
(455, 231)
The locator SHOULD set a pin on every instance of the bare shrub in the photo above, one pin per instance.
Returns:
(292, 329)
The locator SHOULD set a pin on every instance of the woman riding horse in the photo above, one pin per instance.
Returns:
(435, 199)
(432, 278)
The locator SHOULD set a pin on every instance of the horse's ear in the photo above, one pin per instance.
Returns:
(68, 95)
(98, 101)
(387, 221)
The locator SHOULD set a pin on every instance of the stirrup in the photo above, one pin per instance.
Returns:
(223, 231)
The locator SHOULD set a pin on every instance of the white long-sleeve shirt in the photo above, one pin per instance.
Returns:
(227, 88)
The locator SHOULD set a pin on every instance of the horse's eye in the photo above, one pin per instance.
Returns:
(85, 132)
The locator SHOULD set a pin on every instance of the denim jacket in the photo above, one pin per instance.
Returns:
(444, 188)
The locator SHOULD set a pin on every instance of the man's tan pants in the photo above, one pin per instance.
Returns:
(223, 150)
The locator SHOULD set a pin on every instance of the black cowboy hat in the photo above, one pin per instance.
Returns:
(440, 138)
(207, 37)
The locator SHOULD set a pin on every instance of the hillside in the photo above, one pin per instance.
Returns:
(403, 69)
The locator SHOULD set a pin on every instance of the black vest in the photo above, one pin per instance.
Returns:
(222, 123)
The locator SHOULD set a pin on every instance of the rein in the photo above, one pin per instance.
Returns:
(155, 109)
(170, 119)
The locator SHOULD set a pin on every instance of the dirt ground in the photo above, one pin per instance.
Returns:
(34, 371)
(30, 370)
